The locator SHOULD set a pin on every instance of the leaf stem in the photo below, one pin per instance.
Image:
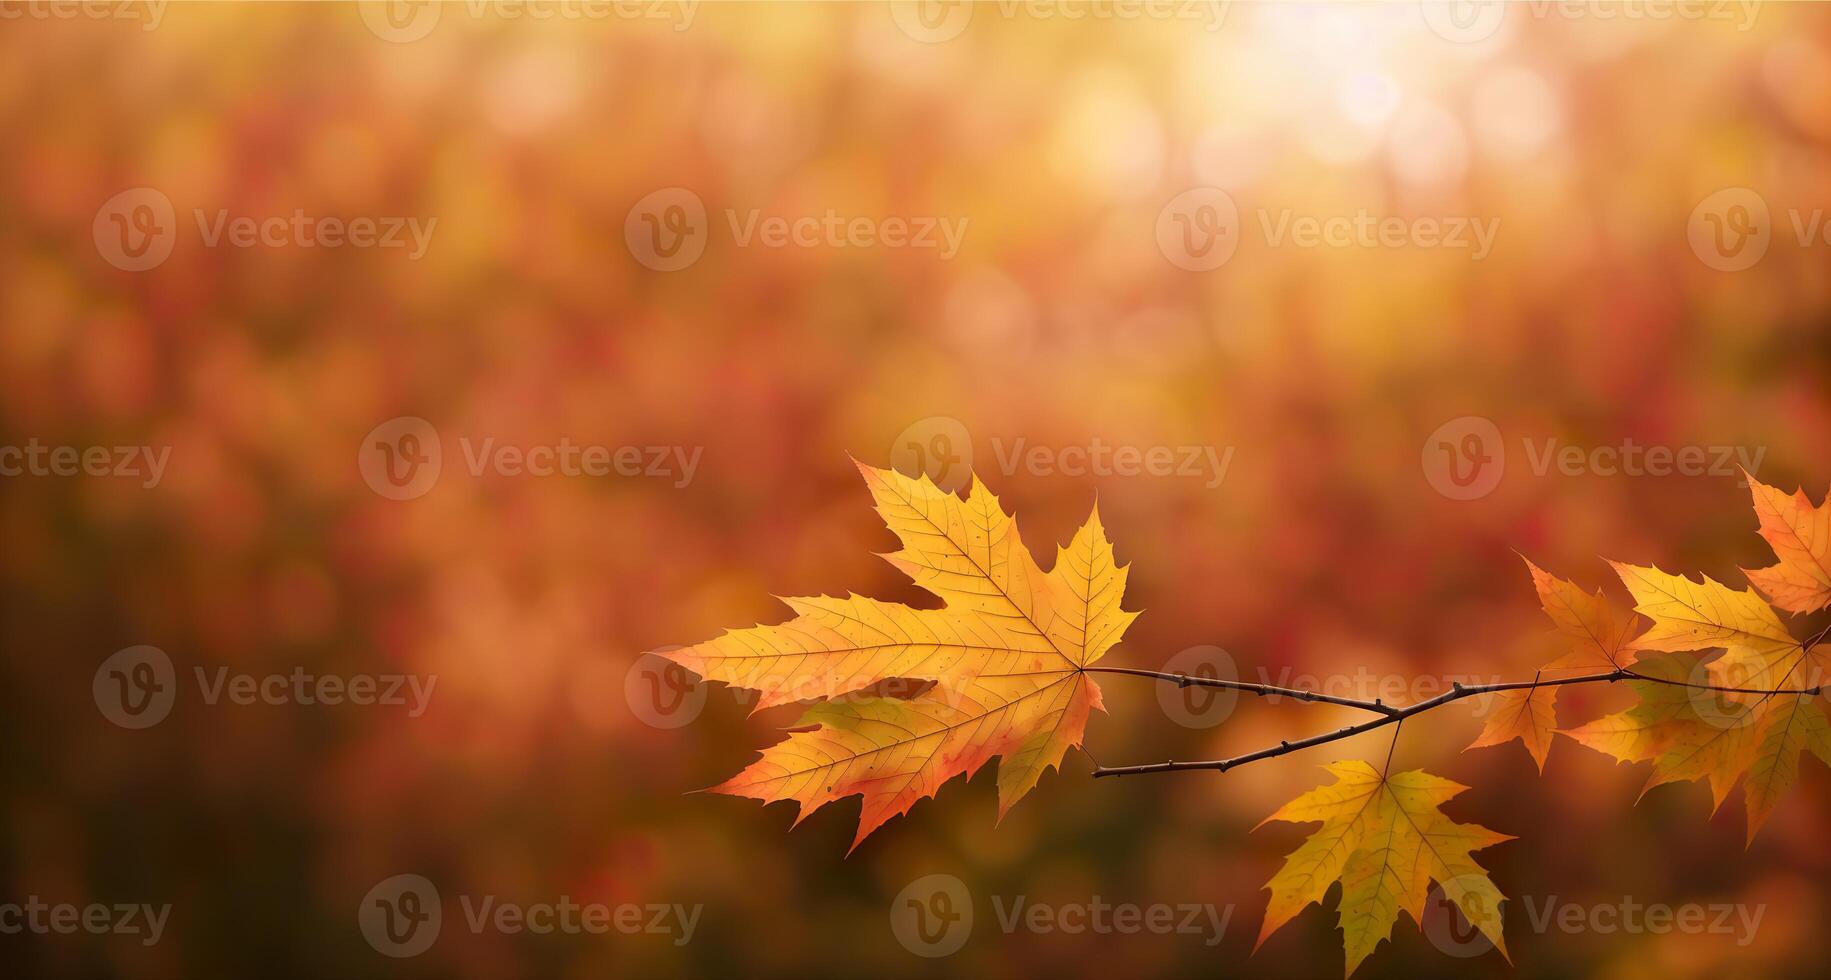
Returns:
(1392, 748)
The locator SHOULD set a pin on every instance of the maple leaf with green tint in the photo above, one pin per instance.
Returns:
(1005, 652)
(1691, 733)
(1385, 839)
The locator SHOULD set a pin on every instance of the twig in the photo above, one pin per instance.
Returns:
(1263, 690)
(1456, 692)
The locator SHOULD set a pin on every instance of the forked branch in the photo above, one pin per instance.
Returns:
(1393, 715)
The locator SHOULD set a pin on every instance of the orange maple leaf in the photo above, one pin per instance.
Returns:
(1800, 535)
(1006, 654)
(1600, 637)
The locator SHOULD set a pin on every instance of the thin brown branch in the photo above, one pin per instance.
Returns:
(1263, 690)
(1456, 693)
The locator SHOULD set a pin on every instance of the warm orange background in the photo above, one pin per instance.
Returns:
(1325, 370)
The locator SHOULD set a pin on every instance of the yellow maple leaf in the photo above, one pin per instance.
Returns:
(1600, 638)
(1385, 839)
(1689, 615)
(1690, 733)
(1005, 651)
(1800, 535)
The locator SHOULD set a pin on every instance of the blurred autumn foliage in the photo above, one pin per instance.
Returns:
(1597, 320)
